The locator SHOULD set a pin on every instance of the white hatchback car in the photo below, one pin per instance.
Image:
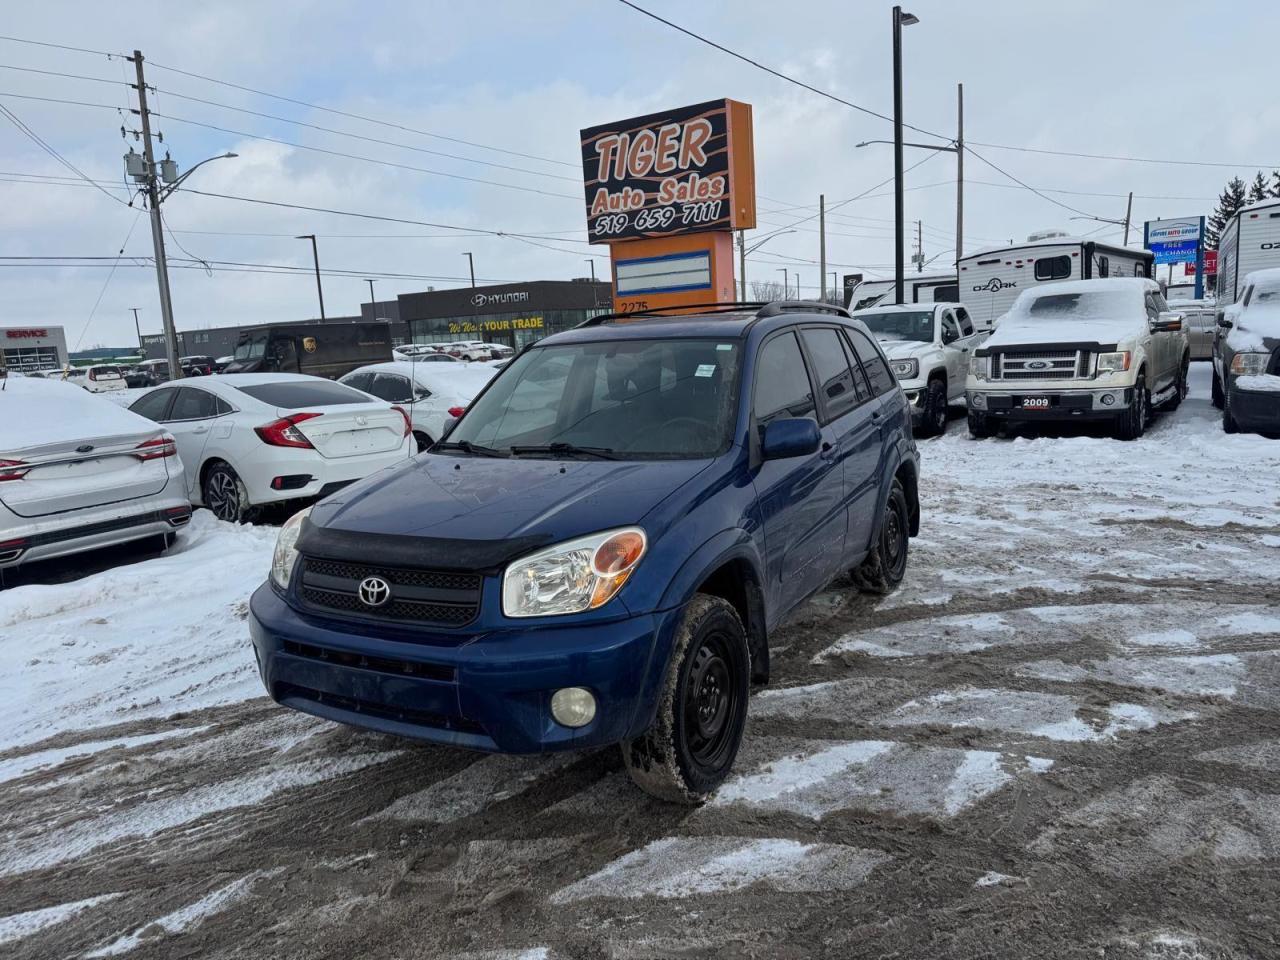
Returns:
(248, 439)
(99, 378)
(78, 473)
(433, 393)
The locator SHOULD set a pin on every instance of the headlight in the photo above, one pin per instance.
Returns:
(1250, 364)
(283, 559)
(1116, 362)
(571, 577)
(980, 367)
(905, 369)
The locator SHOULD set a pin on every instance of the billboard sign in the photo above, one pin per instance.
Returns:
(1174, 241)
(687, 170)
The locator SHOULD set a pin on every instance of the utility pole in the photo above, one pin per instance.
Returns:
(919, 257)
(157, 227)
(315, 257)
(959, 171)
(472, 262)
(742, 266)
(785, 288)
(835, 287)
(822, 245)
(138, 330)
(1128, 212)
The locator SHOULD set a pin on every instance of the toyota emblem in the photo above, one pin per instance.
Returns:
(374, 591)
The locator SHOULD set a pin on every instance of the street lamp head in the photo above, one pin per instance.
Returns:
(305, 236)
(907, 19)
(864, 143)
(229, 155)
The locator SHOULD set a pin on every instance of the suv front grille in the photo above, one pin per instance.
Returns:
(417, 596)
(1041, 365)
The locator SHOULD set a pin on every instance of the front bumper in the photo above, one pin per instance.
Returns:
(1255, 410)
(1062, 404)
(492, 691)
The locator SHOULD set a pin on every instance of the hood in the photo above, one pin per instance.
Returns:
(1014, 330)
(489, 499)
(902, 349)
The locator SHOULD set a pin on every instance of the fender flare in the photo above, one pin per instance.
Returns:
(892, 464)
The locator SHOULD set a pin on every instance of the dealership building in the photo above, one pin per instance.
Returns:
(33, 348)
(511, 313)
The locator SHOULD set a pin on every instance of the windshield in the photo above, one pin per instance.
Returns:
(1094, 305)
(638, 399)
(900, 325)
(251, 348)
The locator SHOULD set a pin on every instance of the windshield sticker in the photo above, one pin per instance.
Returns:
(705, 370)
(724, 346)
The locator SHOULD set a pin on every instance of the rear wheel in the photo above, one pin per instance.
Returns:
(934, 419)
(1215, 392)
(225, 495)
(703, 707)
(424, 440)
(980, 426)
(1132, 424)
(885, 565)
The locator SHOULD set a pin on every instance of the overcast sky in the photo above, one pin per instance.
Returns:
(1185, 81)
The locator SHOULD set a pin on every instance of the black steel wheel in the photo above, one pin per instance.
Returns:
(886, 564)
(694, 740)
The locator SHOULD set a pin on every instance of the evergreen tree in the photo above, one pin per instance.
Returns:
(1258, 189)
(1275, 184)
(1233, 197)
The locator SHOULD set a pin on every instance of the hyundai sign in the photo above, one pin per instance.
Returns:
(1174, 241)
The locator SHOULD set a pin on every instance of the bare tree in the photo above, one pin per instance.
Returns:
(766, 291)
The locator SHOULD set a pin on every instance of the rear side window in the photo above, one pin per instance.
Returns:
(1053, 268)
(193, 404)
(303, 393)
(360, 381)
(391, 387)
(966, 324)
(153, 405)
(878, 375)
(782, 388)
(835, 379)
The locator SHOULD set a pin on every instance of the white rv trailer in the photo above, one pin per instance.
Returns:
(916, 288)
(1249, 241)
(991, 279)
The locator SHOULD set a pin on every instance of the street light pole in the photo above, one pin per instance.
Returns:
(785, 288)
(315, 257)
(138, 330)
(471, 261)
(590, 262)
(900, 20)
(373, 301)
(959, 171)
(797, 273)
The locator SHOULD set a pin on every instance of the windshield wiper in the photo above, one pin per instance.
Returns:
(466, 446)
(567, 449)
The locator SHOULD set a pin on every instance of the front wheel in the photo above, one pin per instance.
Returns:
(980, 426)
(1229, 424)
(702, 709)
(1132, 424)
(886, 564)
(1215, 392)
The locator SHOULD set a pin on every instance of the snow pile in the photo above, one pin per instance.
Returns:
(39, 412)
(20, 925)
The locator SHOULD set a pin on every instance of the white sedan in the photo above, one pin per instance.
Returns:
(433, 393)
(248, 439)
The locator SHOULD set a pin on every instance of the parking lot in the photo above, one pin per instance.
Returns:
(1060, 736)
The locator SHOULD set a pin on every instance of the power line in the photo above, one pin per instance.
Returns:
(55, 73)
(106, 283)
(62, 46)
(43, 145)
(355, 116)
(352, 156)
(1043, 196)
(1107, 156)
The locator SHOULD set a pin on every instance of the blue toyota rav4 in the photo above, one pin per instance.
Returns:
(599, 549)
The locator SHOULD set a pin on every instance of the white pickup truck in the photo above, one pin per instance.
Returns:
(928, 346)
(1081, 350)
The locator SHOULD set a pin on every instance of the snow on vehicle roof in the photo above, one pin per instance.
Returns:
(905, 307)
(1108, 309)
(1259, 205)
(36, 412)
(472, 374)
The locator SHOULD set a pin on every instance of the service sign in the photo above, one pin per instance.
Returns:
(687, 170)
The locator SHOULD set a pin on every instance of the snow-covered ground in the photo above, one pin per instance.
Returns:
(1061, 736)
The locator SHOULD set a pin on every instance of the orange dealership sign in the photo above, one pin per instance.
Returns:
(687, 170)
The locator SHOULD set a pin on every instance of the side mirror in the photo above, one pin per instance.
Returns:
(448, 425)
(1224, 323)
(1168, 322)
(784, 439)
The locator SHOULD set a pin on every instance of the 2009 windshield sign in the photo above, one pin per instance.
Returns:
(662, 174)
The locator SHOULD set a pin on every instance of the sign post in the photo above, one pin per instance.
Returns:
(665, 191)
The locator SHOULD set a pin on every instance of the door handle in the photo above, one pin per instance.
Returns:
(829, 450)
(875, 414)
(964, 349)
(200, 430)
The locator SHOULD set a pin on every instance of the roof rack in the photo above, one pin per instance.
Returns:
(762, 309)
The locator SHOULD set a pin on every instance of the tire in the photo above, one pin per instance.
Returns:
(225, 495)
(886, 564)
(1229, 424)
(1132, 424)
(1215, 393)
(934, 420)
(424, 441)
(702, 709)
(1180, 392)
(980, 426)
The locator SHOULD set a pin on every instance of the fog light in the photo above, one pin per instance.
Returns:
(978, 401)
(1108, 399)
(573, 706)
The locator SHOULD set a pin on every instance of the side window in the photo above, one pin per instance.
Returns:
(859, 378)
(835, 379)
(221, 407)
(391, 387)
(1053, 268)
(1153, 311)
(359, 381)
(782, 388)
(966, 324)
(193, 404)
(878, 375)
(153, 405)
(950, 329)
(1161, 303)
(1104, 266)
